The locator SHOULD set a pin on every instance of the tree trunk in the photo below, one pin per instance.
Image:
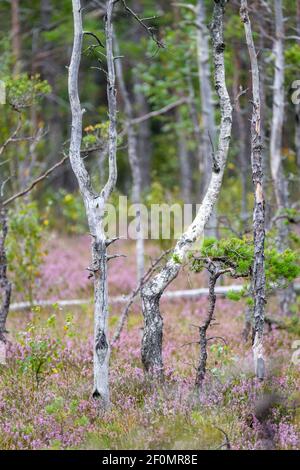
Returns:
(207, 105)
(153, 289)
(258, 275)
(95, 202)
(286, 297)
(209, 133)
(101, 342)
(201, 370)
(5, 285)
(242, 141)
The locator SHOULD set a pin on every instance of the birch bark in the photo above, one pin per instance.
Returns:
(258, 275)
(5, 285)
(95, 202)
(153, 290)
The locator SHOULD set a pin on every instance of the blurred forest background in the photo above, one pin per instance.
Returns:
(36, 43)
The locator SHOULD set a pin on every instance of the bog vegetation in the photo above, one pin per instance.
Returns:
(189, 342)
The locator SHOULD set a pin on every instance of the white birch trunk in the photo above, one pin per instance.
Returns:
(95, 203)
(258, 275)
(153, 290)
(5, 286)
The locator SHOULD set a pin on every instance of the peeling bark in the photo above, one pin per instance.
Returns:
(258, 274)
(153, 290)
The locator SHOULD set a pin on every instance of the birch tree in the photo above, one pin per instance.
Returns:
(153, 290)
(5, 285)
(95, 201)
(258, 275)
(277, 171)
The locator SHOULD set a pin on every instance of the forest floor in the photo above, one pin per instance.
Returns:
(45, 389)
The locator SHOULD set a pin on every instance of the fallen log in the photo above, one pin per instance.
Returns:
(170, 295)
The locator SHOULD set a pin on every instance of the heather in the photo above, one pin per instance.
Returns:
(149, 225)
(45, 389)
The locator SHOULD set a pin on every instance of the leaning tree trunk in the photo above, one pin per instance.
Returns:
(258, 274)
(152, 290)
(95, 202)
(5, 286)
(279, 180)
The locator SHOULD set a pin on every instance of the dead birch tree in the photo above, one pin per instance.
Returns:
(258, 274)
(95, 201)
(153, 290)
(277, 171)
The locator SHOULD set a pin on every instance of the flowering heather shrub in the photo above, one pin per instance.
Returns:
(45, 390)
(56, 411)
(65, 275)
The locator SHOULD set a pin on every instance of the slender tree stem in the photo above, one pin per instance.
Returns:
(258, 275)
